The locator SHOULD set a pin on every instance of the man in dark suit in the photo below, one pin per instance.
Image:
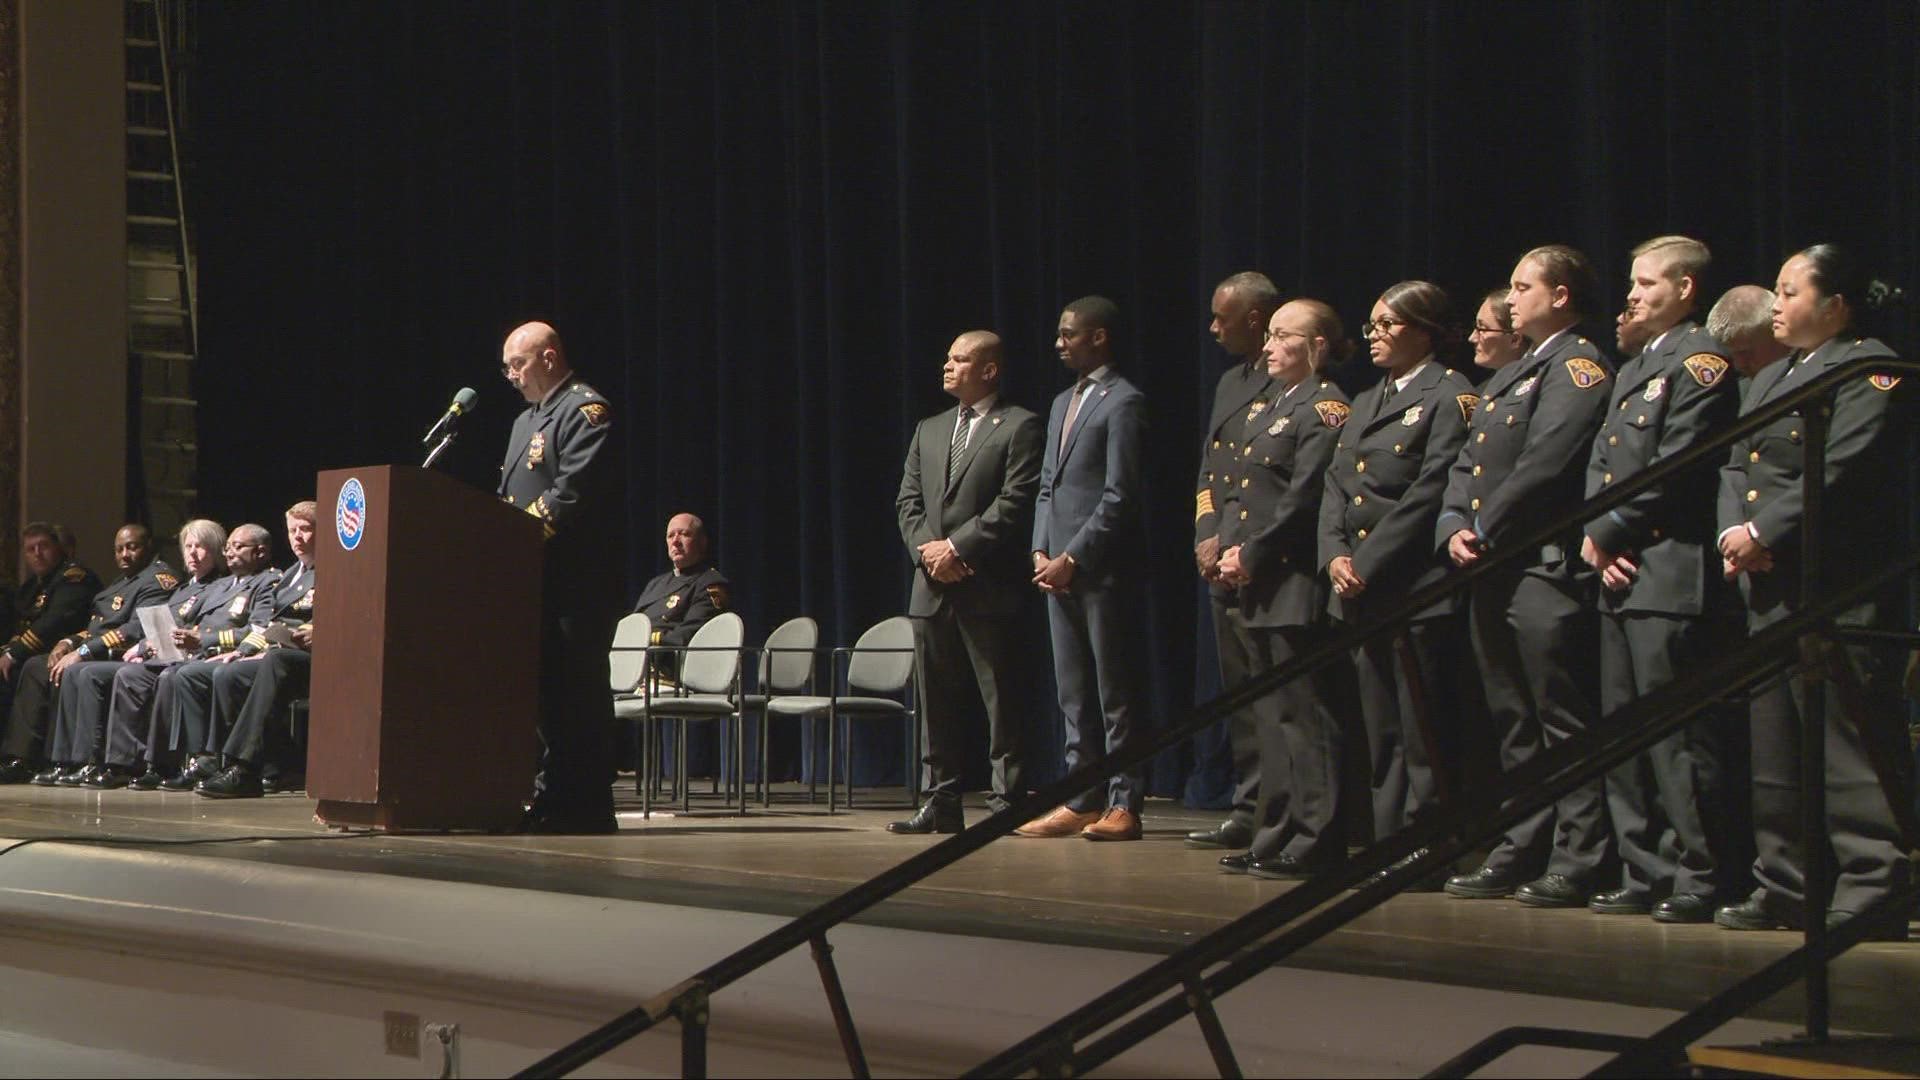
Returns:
(1087, 559)
(561, 467)
(682, 600)
(1242, 304)
(965, 508)
(1663, 605)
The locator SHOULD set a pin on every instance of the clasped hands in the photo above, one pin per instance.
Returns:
(1741, 553)
(1053, 574)
(943, 563)
(1617, 571)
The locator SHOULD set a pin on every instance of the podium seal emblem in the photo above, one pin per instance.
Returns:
(350, 514)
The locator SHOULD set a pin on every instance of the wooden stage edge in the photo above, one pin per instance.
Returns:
(1153, 896)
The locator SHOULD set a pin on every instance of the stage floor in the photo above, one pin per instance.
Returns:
(1156, 895)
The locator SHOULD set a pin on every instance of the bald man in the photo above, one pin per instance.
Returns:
(680, 601)
(561, 467)
(965, 508)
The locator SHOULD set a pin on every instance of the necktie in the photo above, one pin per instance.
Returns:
(1393, 387)
(959, 445)
(1073, 409)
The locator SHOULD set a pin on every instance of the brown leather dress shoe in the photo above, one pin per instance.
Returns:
(1119, 823)
(1060, 821)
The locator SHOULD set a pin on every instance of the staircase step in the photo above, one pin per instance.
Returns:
(153, 264)
(142, 43)
(144, 174)
(174, 493)
(163, 355)
(146, 132)
(152, 219)
(172, 446)
(178, 402)
(174, 310)
(145, 87)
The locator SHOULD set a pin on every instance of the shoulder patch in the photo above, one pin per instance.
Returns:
(1467, 403)
(595, 412)
(166, 581)
(1585, 373)
(717, 595)
(1706, 368)
(1883, 382)
(1332, 413)
(74, 573)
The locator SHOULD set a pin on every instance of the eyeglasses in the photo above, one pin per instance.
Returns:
(1281, 335)
(1478, 330)
(1382, 326)
(514, 363)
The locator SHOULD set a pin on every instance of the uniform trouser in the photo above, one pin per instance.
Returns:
(576, 714)
(80, 716)
(1096, 635)
(1404, 778)
(1668, 803)
(250, 703)
(959, 654)
(1235, 645)
(1299, 755)
(32, 702)
(1535, 638)
(189, 717)
(136, 713)
(1869, 857)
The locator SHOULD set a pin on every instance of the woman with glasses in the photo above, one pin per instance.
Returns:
(1383, 492)
(1495, 342)
(1268, 526)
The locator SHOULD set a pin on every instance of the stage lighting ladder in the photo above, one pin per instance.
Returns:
(163, 325)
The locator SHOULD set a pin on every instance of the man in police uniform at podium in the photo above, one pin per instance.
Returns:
(560, 467)
(680, 601)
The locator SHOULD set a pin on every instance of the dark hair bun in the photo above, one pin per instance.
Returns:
(1880, 296)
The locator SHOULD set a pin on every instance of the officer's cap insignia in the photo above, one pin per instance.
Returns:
(673, 601)
(1332, 413)
(1884, 382)
(1586, 374)
(74, 573)
(536, 449)
(1468, 403)
(595, 413)
(1656, 387)
(717, 595)
(119, 602)
(167, 581)
(1526, 386)
(1411, 416)
(1275, 428)
(239, 606)
(1705, 368)
(1202, 504)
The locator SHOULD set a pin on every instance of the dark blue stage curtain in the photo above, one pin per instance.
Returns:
(760, 224)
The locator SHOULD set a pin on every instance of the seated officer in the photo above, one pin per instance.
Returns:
(49, 604)
(681, 600)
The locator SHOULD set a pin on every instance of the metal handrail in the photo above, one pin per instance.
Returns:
(687, 1000)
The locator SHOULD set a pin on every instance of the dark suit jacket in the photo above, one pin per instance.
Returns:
(1665, 400)
(1089, 501)
(1273, 511)
(1384, 487)
(987, 513)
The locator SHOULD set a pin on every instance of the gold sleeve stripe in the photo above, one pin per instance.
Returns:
(1203, 504)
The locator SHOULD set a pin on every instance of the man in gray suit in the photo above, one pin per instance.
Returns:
(966, 499)
(1086, 558)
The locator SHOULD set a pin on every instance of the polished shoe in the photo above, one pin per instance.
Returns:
(1228, 834)
(1622, 902)
(47, 777)
(17, 772)
(1118, 823)
(540, 821)
(1433, 882)
(1235, 864)
(1485, 883)
(236, 781)
(1685, 908)
(936, 816)
(106, 778)
(204, 767)
(1748, 914)
(1895, 932)
(1553, 890)
(1284, 867)
(283, 783)
(73, 775)
(1060, 821)
(147, 781)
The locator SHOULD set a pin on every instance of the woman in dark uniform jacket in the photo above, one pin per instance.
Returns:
(1822, 304)
(1269, 550)
(1383, 493)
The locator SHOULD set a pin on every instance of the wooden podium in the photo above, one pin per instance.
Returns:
(425, 690)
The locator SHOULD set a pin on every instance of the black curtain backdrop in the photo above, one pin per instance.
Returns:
(759, 225)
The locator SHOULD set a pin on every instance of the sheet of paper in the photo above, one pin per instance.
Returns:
(157, 622)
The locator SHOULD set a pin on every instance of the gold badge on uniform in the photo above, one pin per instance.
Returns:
(186, 607)
(1706, 368)
(595, 413)
(1275, 428)
(119, 602)
(1258, 405)
(1411, 416)
(1526, 387)
(305, 603)
(673, 601)
(1468, 403)
(40, 601)
(1585, 373)
(238, 609)
(1655, 388)
(1332, 413)
(536, 449)
(1883, 382)
(717, 595)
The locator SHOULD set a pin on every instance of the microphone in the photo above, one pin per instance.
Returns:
(462, 402)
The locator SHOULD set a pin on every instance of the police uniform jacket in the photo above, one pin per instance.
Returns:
(114, 607)
(290, 605)
(561, 467)
(1760, 484)
(1272, 511)
(225, 620)
(680, 603)
(1242, 392)
(1525, 459)
(48, 608)
(1667, 399)
(185, 602)
(1384, 485)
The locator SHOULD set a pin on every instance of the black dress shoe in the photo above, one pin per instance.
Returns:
(1236, 864)
(1228, 834)
(47, 777)
(107, 777)
(17, 772)
(1748, 914)
(202, 768)
(73, 775)
(282, 783)
(1622, 902)
(1433, 882)
(1285, 867)
(236, 781)
(540, 821)
(1553, 890)
(936, 816)
(147, 781)
(1485, 883)
(1895, 932)
(1684, 908)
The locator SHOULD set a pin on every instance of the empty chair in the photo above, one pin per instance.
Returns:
(786, 668)
(627, 660)
(879, 666)
(708, 689)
